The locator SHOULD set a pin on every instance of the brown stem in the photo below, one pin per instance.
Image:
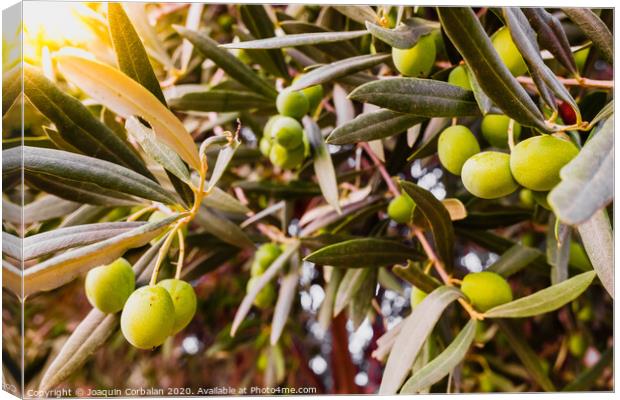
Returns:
(386, 176)
(583, 82)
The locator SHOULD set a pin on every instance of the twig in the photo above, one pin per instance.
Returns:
(583, 82)
(386, 176)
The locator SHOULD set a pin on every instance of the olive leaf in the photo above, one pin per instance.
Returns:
(11, 245)
(222, 228)
(421, 97)
(558, 249)
(349, 286)
(484, 102)
(437, 217)
(62, 166)
(263, 280)
(514, 260)
(338, 69)
(294, 40)
(598, 240)
(156, 149)
(126, 97)
(361, 301)
(364, 253)
(605, 112)
(586, 184)
(49, 242)
(430, 137)
(286, 296)
(404, 36)
(494, 219)
(373, 125)
(444, 363)
(11, 87)
(545, 300)
(43, 208)
(77, 125)
(468, 36)
(414, 275)
(92, 332)
(358, 13)
(326, 311)
(225, 202)
(228, 62)
(551, 36)
(140, 20)
(526, 354)
(323, 165)
(416, 328)
(220, 101)
(339, 49)
(595, 29)
(224, 156)
(63, 268)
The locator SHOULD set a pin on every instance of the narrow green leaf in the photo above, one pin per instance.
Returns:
(598, 240)
(350, 284)
(494, 219)
(291, 189)
(422, 97)
(484, 102)
(374, 125)
(228, 62)
(264, 279)
(49, 242)
(358, 13)
(514, 260)
(404, 36)
(595, 29)
(224, 156)
(416, 328)
(155, 46)
(361, 302)
(223, 228)
(605, 113)
(528, 357)
(157, 150)
(468, 36)
(59, 142)
(11, 87)
(444, 363)
(414, 275)
(558, 249)
(331, 291)
(545, 300)
(337, 50)
(77, 125)
(338, 69)
(130, 53)
(587, 181)
(286, 297)
(551, 36)
(437, 217)
(43, 208)
(363, 253)
(323, 165)
(294, 40)
(70, 166)
(220, 101)
(225, 202)
(65, 267)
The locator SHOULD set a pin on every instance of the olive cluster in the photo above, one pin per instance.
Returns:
(284, 140)
(149, 314)
(263, 258)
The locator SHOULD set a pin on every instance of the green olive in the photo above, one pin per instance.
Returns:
(286, 158)
(585, 314)
(264, 145)
(108, 287)
(495, 130)
(292, 103)
(314, 94)
(578, 257)
(401, 208)
(458, 76)
(148, 317)
(487, 175)
(417, 296)
(266, 296)
(508, 52)
(526, 197)
(486, 290)
(264, 257)
(184, 300)
(536, 162)
(577, 344)
(418, 60)
(287, 132)
(456, 145)
(486, 382)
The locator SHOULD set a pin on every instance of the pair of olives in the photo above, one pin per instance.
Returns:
(494, 174)
(284, 142)
(263, 258)
(149, 314)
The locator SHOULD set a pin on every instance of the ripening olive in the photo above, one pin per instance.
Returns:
(265, 297)
(184, 300)
(417, 296)
(486, 290)
(578, 257)
(287, 132)
(264, 257)
(536, 162)
(418, 60)
(286, 158)
(456, 145)
(400, 208)
(148, 317)
(487, 175)
(108, 286)
(292, 103)
(577, 344)
(508, 52)
(495, 130)
(458, 76)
